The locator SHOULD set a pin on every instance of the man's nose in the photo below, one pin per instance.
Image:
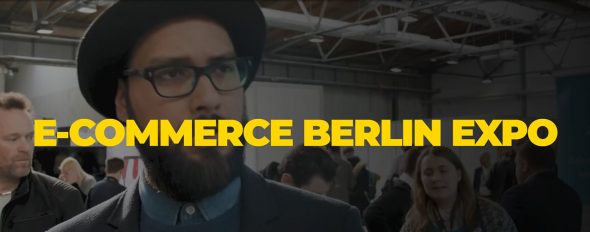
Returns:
(24, 145)
(205, 99)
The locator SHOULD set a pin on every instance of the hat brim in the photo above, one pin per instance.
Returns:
(104, 51)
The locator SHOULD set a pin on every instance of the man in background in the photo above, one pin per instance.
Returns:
(388, 212)
(344, 180)
(308, 168)
(29, 201)
(482, 174)
(541, 201)
(502, 176)
(109, 186)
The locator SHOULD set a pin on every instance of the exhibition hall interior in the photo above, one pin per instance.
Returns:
(351, 59)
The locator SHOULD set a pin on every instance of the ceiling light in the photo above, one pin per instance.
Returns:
(87, 8)
(409, 18)
(44, 28)
(452, 61)
(316, 39)
(395, 69)
(8, 71)
(486, 80)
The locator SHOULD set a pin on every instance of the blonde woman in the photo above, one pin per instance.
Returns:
(72, 173)
(444, 200)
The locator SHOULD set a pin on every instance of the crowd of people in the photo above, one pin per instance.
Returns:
(181, 60)
(433, 192)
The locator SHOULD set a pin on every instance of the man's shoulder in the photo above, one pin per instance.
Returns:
(104, 183)
(399, 189)
(478, 169)
(311, 211)
(52, 184)
(93, 219)
(300, 201)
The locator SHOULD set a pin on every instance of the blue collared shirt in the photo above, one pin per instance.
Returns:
(167, 211)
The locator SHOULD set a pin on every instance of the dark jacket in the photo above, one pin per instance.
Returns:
(102, 191)
(265, 206)
(502, 177)
(39, 203)
(544, 203)
(388, 212)
(477, 179)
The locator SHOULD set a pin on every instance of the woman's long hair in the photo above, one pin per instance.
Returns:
(423, 206)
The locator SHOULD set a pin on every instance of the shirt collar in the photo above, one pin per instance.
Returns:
(162, 208)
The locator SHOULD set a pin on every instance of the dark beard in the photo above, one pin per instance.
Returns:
(187, 179)
(184, 178)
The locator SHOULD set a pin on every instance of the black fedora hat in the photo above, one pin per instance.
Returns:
(104, 51)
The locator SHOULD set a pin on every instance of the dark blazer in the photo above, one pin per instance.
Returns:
(264, 206)
(544, 203)
(477, 179)
(502, 178)
(39, 203)
(102, 191)
(388, 212)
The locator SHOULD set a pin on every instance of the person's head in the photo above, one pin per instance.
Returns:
(506, 153)
(184, 60)
(348, 152)
(308, 168)
(70, 171)
(410, 160)
(334, 150)
(441, 179)
(532, 159)
(114, 167)
(485, 159)
(16, 136)
(406, 148)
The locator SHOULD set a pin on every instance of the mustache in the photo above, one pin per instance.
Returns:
(209, 117)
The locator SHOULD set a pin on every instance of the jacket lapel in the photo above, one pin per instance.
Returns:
(125, 216)
(257, 205)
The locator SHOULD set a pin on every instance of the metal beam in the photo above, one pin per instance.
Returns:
(305, 12)
(442, 27)
(490, 97)
(14, 9)
(340, 84)
(539, 41)
(574, 70)
(444, 38)
(523, 87)
(453, 16)
(342, 38)
(293, 42)
(339, 67)
(322, 12)
(366, 21)
(36, 60)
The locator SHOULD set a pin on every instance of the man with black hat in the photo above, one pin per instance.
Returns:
(180, 60)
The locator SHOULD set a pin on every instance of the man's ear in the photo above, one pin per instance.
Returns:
(121, 101)
(287, 179)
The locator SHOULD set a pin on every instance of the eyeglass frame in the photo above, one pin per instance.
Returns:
(148, 74)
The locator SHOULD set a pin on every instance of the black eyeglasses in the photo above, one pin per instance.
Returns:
(173, 81)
